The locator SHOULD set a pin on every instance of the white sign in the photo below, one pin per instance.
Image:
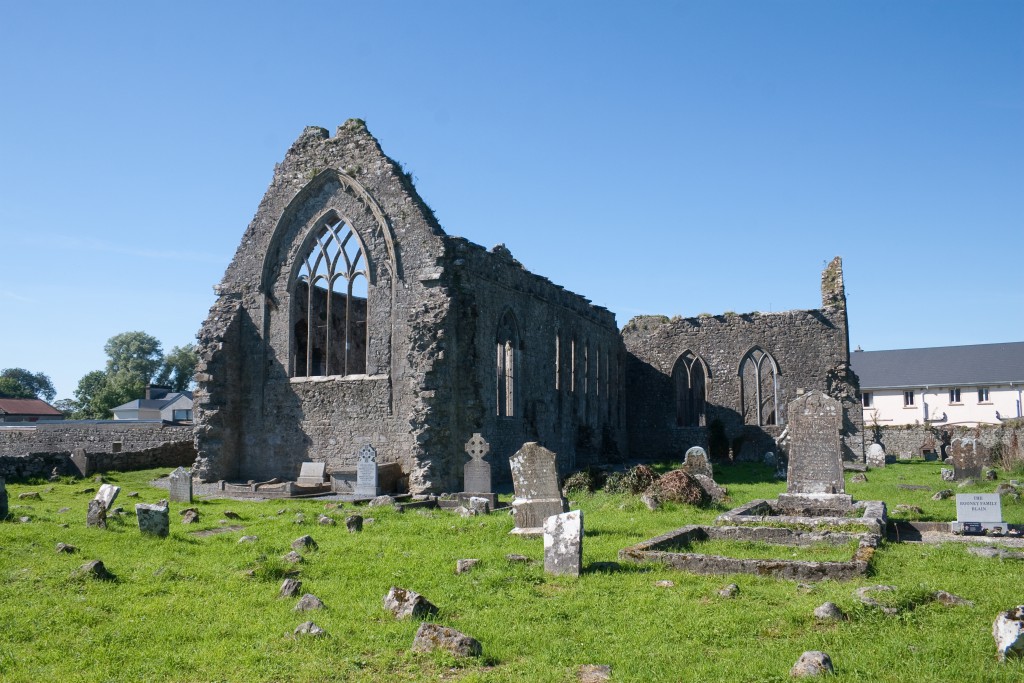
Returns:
(978, 507)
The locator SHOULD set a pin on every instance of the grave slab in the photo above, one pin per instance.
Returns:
(537, 496)
(180, 489)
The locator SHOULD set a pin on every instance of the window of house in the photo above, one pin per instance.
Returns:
(908, 398)
(982, 394)
(507, 346)
(330, 305)
(759, 388)
(866, 399)
(690, 379)
(182, 415)
(116, 446)
(954, 395)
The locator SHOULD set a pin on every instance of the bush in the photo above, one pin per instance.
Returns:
(679, 486)
(636, 480)
(578, 482)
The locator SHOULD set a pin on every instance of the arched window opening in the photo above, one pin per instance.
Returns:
(690, 379)
(507, 348)
(759, 388)
(330, 305)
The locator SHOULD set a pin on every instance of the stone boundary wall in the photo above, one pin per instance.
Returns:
(1005, 441)
(35, 451)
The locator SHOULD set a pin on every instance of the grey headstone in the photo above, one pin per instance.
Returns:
(367, 474)
(82, 462)
(563, 544)
(696, 462)
(481, 506)
(535, 478)
(3, 499)
(97, 515)
(970, 457)
(876, 455)
(153, 519)
(477, 472)
(312, 474)
(108, 494)
(181, 486)
(815, 451)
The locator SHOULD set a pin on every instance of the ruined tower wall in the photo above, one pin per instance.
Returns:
(810, 348)
(578, 412)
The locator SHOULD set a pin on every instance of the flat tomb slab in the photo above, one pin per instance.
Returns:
(672, 549)
(872, 517)
(389, 475)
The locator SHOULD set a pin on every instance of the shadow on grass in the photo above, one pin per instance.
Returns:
(618, 568)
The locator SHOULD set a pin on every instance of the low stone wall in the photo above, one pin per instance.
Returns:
(84, 447)
(1004, 441)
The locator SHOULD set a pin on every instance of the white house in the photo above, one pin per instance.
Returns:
(160, 403)
(945, 385)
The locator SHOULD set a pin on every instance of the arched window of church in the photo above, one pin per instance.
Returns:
(330, 305)
(507, 348)
(759, 388)
(690, 378)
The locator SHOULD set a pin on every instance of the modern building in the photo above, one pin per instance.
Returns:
(160, 403)
(27, 410)
(945, 385)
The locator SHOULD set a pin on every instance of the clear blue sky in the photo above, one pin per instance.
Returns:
(660, 157)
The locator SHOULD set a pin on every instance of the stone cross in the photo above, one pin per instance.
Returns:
(476, 474)
(367, 474)
(181, 486)
(535, 478)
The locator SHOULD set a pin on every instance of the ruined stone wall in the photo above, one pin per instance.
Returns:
(577, 412)
(34, 451)
(1005, 441)
(254, 419)
(810, 349)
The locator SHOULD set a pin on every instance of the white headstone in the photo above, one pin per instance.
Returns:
(312, 474)
(876, 455)
(563, 544)
(367, 475)
(181, 486)
(979, 507)
(107, 494)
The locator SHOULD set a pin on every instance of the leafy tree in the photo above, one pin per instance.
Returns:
(136, 353)
(179, 366)
(89, 388)
(20, 383)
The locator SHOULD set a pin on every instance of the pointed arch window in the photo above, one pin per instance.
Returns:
(759, 388)
(507, 348)
(690, 379)
(330, 304)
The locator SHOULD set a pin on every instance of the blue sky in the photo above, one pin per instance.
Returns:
(669, 157)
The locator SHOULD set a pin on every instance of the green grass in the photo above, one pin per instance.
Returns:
(185, 608)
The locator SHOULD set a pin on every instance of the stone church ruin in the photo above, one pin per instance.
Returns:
(348, 317)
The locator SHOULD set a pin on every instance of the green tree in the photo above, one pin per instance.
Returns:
(89, 388)
(179, 366)
(20, 383)
(136, 353)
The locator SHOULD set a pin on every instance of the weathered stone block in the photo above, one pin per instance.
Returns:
(153, 519)
(563, 544)
(535, 478)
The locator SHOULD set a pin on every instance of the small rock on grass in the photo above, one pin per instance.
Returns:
(730, 591)
(651, 501)
(943, 494)
(381, 500)
(29, 495)
(63, 510)
(859, 478)
(1008, 631)
(93, 569)
(812, 663)
(191, 517)
(292, 557)
(431, 637)
(66, 548)
(950, 600)
(829, 611)
(304, 543)
(324, 520)
(594, 673)
(354, 523)
(248, 539)
(406, 603)
(231, 515)
(902, 507)
(308, 602)
(24, 520)
(463, 566)
(518, 558)
(133, 494)
(664, 583)
(290, 588)
(308, 628)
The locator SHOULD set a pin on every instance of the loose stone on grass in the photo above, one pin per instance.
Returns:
(308, 628)
(463, 566)
(665, 583)
(950, 600)
(300, 518)
(324, 520)
(290, 588)
(308, 602)
(29, 495)
(248, 539)
(862, 594)
(518, 558)
(1008, 631)
(304, 543)
(231, 515)
(354, 523)
(381, 501)
(190, 516)
(66, 548)
(651, 501)
(812, 663)
(431, 637)
(943, 494)
(93, 569)
(406, 603)
(63, 510)
(730, 591)
(292, 557)
(594, 673)
(859, 478)
(829, 611)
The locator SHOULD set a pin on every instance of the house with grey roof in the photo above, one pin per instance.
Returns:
(159, 403)
(945, 385)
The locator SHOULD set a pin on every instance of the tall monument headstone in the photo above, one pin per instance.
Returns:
(814, 481)
(535, 478)
(367, 474)
(180, 490)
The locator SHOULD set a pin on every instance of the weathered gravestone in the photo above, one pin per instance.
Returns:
(476, 474)
(970, 457)
(696, 462)
(367, 475)
(977, 513)
(153, 519)
(814, 480)
(535, 478)
(97, 515)
(108, 494)
(563, 544)
(3, 499)
(312, 474)
(82, 462)
(181, 486)
(876, 455)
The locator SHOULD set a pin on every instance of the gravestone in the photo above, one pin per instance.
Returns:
(978, 513)
(477, 472)
(312, 474)
(367, 476)
(181, 486)
(537, 496)
(82, 462)
(107, 495)
(3, 499)
(814, 479)
(970, 457)
(876, 455)
(153, 519)
(563, 544)
(97, 515)
(696, 462)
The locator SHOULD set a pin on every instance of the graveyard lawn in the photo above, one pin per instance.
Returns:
(206, 608)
